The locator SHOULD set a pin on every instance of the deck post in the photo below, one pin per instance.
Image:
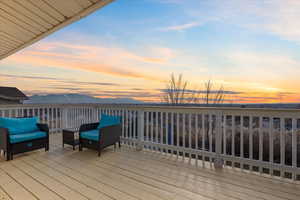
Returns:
(64, 117)
(218, 162)
(140, 130)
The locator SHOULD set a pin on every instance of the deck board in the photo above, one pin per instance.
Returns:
(59, 177)
(157, 181)
(132, 187)
(36, 188)
(9, 186)
(61, 190)
(234, 182)
(128, 174)
(190, 185)
(91, 182)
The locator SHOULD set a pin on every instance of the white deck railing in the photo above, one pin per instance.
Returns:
(260, 141)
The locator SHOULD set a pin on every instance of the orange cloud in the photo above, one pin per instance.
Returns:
(161, 54)
(112, 61)
(86, 66)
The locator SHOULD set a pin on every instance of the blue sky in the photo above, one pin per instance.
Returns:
(248, 46)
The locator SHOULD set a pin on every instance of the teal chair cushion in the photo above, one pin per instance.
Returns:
(19, 125)
(90, 135)
(26, 136)
(107, 120)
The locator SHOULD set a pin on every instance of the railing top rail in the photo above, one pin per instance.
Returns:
(168, 108)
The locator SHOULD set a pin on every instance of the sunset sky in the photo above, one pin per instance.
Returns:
(129, 48)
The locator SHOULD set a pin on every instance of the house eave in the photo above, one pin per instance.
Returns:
(17, 42)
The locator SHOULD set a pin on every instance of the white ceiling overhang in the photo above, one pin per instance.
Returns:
(24, 22)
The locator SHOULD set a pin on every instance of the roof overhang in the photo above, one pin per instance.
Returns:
(13, 98)
(25, 22)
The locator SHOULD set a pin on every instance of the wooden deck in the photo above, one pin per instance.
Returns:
(128, 175)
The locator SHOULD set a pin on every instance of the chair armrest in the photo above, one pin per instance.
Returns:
(88, 127)
(43, 127)
(4, 138)
(110, 135)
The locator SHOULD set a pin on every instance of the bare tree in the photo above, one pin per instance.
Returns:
(176, 91)
(209, 95)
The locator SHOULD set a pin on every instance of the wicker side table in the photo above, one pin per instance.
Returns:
(70, 137)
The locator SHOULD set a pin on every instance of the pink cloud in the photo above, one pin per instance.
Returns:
(112, 61)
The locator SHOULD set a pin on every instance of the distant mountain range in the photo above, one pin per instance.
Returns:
(76, 98)
(249, 105)
(81, 98)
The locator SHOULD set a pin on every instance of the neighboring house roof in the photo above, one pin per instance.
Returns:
(12, 93)
(23, 23)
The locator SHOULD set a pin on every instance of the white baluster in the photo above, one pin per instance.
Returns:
(140, 136)
(218, 162)
(294, 147)
(225, 135)
(242, 140)
(177, 134)
(271, 143)
(260, 132)
(190, 136)
(196, 137)
(282, 145)
(251, 140)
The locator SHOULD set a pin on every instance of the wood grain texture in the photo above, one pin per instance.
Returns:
(125, 173)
